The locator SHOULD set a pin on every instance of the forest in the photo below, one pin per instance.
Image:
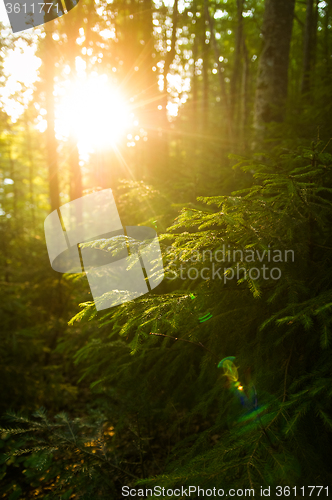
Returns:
(207, 124)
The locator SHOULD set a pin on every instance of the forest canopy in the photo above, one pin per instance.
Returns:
(210, 121)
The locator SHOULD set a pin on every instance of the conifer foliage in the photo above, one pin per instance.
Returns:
(138, 394)
(152, 363)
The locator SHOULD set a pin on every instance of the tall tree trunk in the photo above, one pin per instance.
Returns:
(169, 58)
(243, 118)
(194, 81)
(51, 142)
(326, 40)
(31, 169)
(216, 51)
(314, 39)
(153, 120)
(272, 79)
(168, 61)
(13, 176)
(193, 160)
(236, 76)
(72, 30)
(308, 49)
(205, 95)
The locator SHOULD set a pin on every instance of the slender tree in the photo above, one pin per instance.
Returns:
(308, 47)
(223, 89)
(71, 28)
(49, 59)
(236, 76)
(272, 79)
(170, 56)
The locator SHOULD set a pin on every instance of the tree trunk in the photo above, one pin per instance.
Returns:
(193, 159)
(205, 95)
(75, 175)
(169, 58)
(272, 79)
(220, 72)
(52, 153)
(308, 48)
(152, 98)
(243, 118)
(194, 80)
(326, 40)
(31, 169)
(236, 76)
(314, 40)
(13, 176)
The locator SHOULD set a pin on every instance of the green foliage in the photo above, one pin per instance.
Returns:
(152, 364)
(286, 209)
(136, 392)
(57, 454)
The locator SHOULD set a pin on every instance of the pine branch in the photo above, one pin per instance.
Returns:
(199, 344)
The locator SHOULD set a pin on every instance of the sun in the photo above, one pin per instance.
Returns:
(95, 113)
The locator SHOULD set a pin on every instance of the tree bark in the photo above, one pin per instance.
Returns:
(236, 76)
(220, 72)
(308, 48)
(326, 39)
(243, 120)
(272, 79)
(194, 80)
(31, 169)
(51, 142)
(169, 58)
(75, 175)
(205, 93)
